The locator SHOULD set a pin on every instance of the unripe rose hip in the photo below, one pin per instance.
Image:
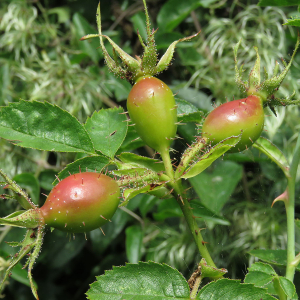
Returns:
(81, 202)
(243, 116)
(151, 106)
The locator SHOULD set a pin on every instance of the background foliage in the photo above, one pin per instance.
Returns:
(41, 58)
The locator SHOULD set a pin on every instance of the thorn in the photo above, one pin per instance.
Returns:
(65, 225)
(57, 178)
(103, 217)
(85, 236)
(82, 181)
(79, 169)
(44, 195)
(83, 223)
(203, 243)
(69, 173)
(102, 231)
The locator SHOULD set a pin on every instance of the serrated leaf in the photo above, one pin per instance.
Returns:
(155, 165)
(147, 281)
(262, 267)
(274, 257)
(268, 148)
(43, 126)
(86, 164)
(208, 158)
(227, 289)
(288, 287)
(258, 278)
(107, 129)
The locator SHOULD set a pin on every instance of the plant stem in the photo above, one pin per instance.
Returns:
(165, 155)
(290, 213)
(195, 287)
(186, 208)
(193, 226)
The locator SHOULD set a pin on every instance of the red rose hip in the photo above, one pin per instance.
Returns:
(81, 202)
(243, 116)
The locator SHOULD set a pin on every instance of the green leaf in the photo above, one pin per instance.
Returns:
(43, 126)
(227, 289)
(139, 20)
(107, 129)
(288, 287)
(208, 158)
(268, 148)
(90, 47)
(118, 86)
(155, 165)
(173, 12)
(147, 281)
(209, 271)
(293, 22)
(187, 112)
(262, 267)
(274, 257)
(297, 222)
(86, 164)
(278, 2)
(134, 243)
(215, 188)
(258, 278)
(29, 182)
(169, 208)
(130, 193)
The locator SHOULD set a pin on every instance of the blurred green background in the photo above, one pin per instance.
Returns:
(41, 58)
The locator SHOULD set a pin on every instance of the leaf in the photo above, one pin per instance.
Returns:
(209, 271)
(187, 112)
(274, 257)
(268, 148)
(107, 129)
(208, 158)
(134, 243)
(90, 47)
(258, 278)
(147, 281)
(293, 22)
(169, 208)
(215, 188)
(278, 2)
(43, 126)
(227, 289)
(86, 164)
(155, 165)
(297, 222)
(173, 12)
(130, 193)
(262, 267)
(288, 287)
(29, 182)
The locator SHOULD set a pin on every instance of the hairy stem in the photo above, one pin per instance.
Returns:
(191, 221)
(186, 208)
(195, 287)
